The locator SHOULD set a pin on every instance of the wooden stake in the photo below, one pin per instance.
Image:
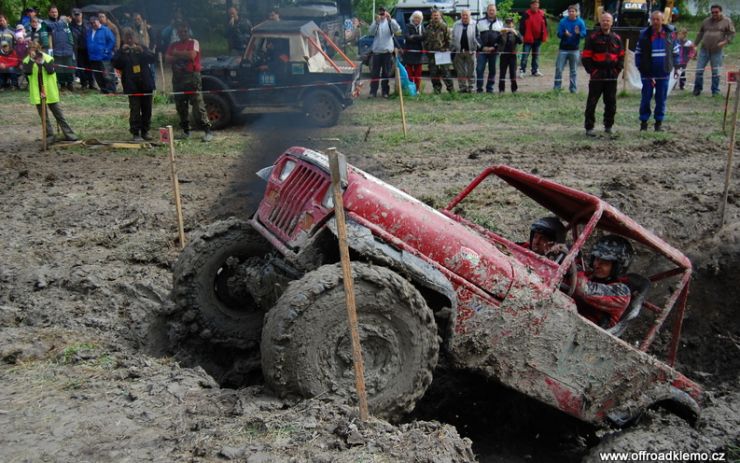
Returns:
(161, 73)
(349, 290)
(727, 102)
(400, 98)
(176, 187)
(624, 71)
(728, 167)
(44, 145)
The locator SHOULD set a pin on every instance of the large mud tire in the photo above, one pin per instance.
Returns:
(306, 347)
(322, 108)
(200, 287)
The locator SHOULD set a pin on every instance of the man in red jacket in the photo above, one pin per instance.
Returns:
(533, 28)
(603, 58)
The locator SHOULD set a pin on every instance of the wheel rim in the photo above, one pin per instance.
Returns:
(214, 112)
(381, 354)
(235, 297)
(322, 109)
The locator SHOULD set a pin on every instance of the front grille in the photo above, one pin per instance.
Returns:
(295, 194)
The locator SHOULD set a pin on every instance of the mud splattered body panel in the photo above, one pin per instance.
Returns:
(510, 321)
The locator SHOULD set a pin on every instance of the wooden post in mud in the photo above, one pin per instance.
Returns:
(400, 98)
(727, 102)
(624, 71)
(728, 167)
(44, 145)
(166, 135)
(349, 291)
(161, 73)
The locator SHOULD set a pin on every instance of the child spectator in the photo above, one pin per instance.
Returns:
(21, 42)
(508, 41)
(686, 53)
(8, 66)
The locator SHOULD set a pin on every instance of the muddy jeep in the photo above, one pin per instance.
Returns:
(429, 283)
(285, 68)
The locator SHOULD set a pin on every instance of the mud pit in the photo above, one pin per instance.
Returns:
(85, 275)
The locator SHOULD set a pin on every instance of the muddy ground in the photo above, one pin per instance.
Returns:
(89, 240)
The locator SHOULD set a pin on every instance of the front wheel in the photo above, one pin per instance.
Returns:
(322, 108)
(306, 347)
(212, 287)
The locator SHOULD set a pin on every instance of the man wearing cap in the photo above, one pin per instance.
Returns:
(8, 66)
(384, 29)
(62, 45)
(79, 34)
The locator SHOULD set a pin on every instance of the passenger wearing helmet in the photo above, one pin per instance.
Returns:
(547, 237)
(601, 294)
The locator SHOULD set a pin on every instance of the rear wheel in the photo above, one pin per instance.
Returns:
(322, 108)
(306, 347)
(218, 110)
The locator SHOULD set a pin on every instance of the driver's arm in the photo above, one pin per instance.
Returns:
(611, 299)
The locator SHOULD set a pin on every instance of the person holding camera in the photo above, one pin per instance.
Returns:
(134, 61)
(384, 29)
(184, 56)
(43, 91)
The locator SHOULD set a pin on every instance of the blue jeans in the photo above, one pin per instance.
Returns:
(480, 68)
(571, 57)
(715, 60)
(661, 94)
(535, 49)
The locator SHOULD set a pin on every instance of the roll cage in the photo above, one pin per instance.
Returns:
(584, 214)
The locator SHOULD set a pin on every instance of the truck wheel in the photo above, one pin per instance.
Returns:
(218, 110)
(322, 108)
(306, 346)
(213, 301)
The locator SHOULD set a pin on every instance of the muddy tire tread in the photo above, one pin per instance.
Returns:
(278, 353)
(195, 301)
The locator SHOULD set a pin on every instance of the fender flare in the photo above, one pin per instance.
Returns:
(682, 404)
(214, 83)
(361, 240)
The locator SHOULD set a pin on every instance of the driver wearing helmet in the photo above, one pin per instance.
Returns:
(601, 294)
(547, 237)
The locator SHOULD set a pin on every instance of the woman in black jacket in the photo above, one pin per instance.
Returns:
(134, 62)
(412, 57)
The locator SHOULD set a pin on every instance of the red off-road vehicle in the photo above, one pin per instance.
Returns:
(428, 281)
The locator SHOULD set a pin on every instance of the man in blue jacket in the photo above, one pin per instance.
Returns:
(657, 50)
(570, 30)
(62, 44)
(100, 45)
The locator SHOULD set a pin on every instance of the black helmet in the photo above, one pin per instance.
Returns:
(615, 249)
(551, 227)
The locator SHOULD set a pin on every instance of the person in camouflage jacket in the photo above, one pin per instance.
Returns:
(436, 39)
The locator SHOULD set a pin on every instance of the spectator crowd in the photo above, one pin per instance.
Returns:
(96, 53)
(473, 48)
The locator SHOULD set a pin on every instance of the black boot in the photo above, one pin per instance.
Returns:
(659, 126)
(643, 126)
